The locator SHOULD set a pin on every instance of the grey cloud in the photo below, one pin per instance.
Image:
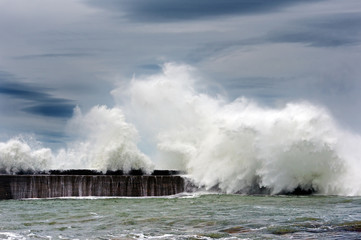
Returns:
(41, 102)
(252, 83)
(330, 31)
(314, 40)
(207, 50)
(333, 30)
(52, 55)
(52, 138)
(266, 90)
(174, 10)
(153, 67)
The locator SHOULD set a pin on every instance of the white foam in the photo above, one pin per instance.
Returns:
(231, 145)
(16, 155)
(234, 145)
(11, 236)
(104, 141)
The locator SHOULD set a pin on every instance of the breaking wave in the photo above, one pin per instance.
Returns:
(16, 155)
(103, 141)
(234, 146)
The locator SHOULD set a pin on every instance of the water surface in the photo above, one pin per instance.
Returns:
(211, 216)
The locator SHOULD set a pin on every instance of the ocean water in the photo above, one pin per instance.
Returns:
(171, 120)
(197, 216)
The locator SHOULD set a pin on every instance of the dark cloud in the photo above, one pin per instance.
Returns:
(175, 10)
(51, 110)
(41, 102)
(328, 31)
(21, 91)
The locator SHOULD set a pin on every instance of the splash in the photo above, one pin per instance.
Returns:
(16, 155)
(104, 141)
(236, 146)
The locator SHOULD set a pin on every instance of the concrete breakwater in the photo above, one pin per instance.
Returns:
(84, 183)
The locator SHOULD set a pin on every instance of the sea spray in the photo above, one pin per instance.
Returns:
(238, 146)
(234, 146)
(103, 141)
(16, 156)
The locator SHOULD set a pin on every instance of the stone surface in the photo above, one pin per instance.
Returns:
(51, 186)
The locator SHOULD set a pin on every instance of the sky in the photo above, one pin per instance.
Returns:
(56, 55)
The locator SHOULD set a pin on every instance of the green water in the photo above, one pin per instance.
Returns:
(184, 217)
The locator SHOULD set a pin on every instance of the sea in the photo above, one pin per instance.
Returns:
(174, 120)
(184, 216)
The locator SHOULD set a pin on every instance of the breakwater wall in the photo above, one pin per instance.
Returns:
(84, 183)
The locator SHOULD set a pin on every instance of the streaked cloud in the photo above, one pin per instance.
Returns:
(329, 30)
(38, 100)
(51, 110)
(53, 55)
(332, 30)
(173, 10)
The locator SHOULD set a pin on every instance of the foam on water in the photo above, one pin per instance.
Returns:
(235, 146)
(11, 236)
